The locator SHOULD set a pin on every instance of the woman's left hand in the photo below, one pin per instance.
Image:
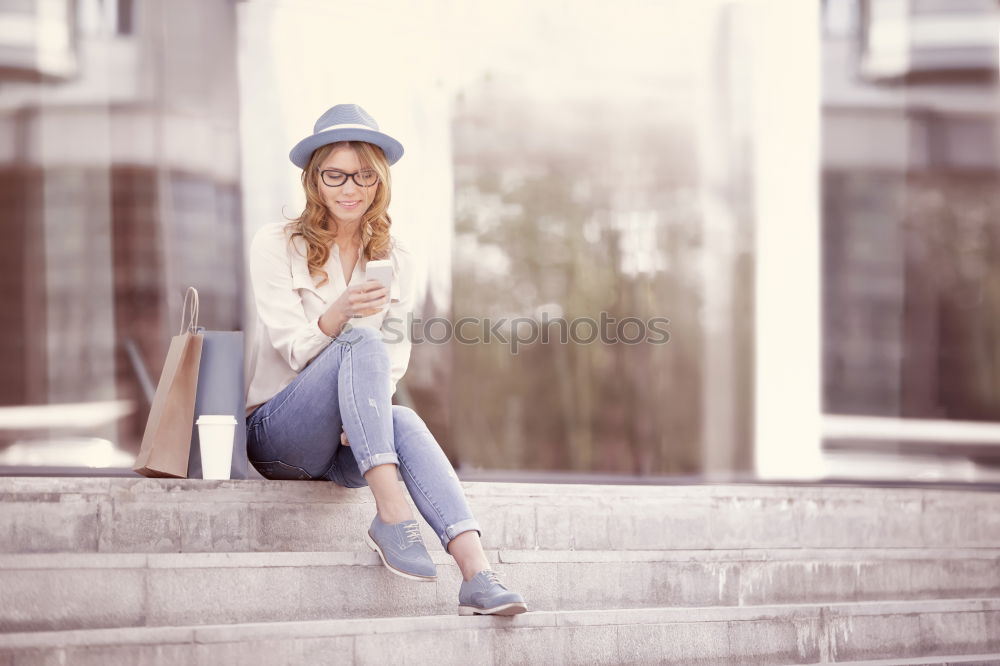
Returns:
(343, 438)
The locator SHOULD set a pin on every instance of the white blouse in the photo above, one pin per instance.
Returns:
(289, 305)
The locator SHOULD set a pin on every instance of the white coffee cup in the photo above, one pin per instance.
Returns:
(215, 435)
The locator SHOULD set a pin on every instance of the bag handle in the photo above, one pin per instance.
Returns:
(192, 320)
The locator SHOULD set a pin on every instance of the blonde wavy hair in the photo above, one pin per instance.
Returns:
(318, 228)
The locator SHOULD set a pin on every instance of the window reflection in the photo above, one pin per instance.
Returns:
(583, 204)
(911, 218)
(120, 187)
(579, 168)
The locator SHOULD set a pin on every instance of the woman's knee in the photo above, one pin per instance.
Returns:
(368, 343)
(360, 335)
(405, 420)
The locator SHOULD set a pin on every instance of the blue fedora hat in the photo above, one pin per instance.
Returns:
(345, 122)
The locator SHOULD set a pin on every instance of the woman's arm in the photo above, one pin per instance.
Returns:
(279, 305)
(360, 300)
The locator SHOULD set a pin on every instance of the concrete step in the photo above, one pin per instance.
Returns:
(944, 660)
(39, 515)
(873, 632)
(40, 592)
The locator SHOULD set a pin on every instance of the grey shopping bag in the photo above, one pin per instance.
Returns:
(221, 391)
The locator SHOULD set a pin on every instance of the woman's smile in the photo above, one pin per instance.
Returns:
(348, 201)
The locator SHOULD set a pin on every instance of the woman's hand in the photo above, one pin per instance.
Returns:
(343, 438)
(360, 300)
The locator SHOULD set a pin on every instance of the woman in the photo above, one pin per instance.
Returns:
(330, 350)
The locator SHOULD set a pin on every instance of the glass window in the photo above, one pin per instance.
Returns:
(114, 202)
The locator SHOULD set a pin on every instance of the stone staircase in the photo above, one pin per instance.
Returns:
(150, 571)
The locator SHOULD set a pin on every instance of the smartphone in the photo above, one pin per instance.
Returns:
(381, 270)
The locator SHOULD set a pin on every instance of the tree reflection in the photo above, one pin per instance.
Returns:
(575, 219)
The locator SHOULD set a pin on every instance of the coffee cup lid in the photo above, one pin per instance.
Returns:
(216, 419)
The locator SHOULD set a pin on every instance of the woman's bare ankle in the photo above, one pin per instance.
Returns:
(395, 514)
(390, 502)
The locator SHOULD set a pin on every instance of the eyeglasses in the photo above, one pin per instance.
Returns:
(363, 178)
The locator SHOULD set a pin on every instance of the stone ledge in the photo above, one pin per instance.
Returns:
(881, 632)
(14, 488)
(160, 516)
(365, 557)
(90, 591)
(946, 660)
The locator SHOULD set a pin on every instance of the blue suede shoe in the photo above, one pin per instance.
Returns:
(401, 549)
(486, 595)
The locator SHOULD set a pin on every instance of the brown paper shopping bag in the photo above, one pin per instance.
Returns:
(166, 442)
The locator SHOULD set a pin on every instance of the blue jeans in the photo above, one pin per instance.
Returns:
(296, 434)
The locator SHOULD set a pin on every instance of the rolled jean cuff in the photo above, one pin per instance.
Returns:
(453, 531)
(377, 459)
